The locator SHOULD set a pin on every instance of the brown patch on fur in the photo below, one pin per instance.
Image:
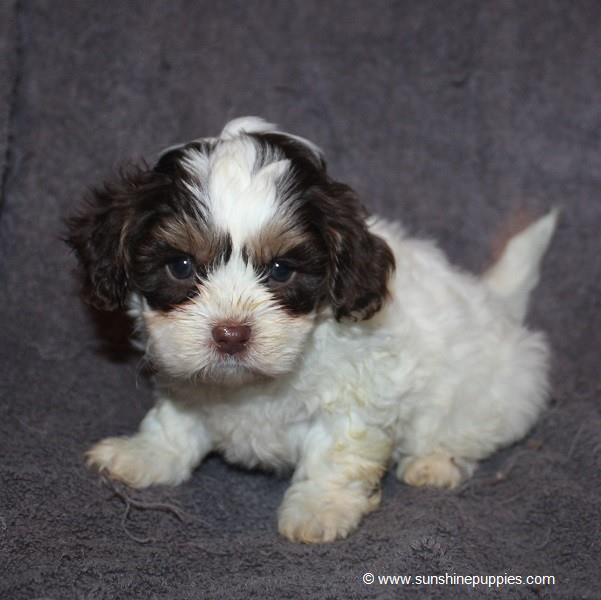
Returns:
(361, 262)
(304, 251)
(275, 240)
(172, 237)
(204, 245)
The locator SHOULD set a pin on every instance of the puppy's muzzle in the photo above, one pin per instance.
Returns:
(231, 339)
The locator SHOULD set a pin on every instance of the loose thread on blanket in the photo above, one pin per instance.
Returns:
(141, 505)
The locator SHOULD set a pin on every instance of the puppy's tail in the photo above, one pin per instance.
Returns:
(517, 271)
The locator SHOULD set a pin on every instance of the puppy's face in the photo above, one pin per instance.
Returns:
(230, 247)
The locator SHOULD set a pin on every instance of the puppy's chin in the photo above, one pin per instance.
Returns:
(230, 374)
(228, 371)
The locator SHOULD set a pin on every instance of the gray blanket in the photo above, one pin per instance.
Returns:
(451, 116)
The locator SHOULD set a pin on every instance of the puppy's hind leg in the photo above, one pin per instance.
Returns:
(438, 469)
(170, 443)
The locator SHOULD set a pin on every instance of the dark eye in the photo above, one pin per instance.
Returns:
(280, 271)
(181, 267)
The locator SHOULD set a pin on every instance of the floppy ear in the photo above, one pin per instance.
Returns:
(100, 235)
(360, 262)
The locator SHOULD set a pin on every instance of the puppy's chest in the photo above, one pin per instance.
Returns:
(258, 432)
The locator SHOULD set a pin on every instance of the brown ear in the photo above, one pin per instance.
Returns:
(360, 262)
(100, 236)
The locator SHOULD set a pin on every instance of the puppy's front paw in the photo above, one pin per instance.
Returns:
(434, 470)
(136, 461)
(313, 514)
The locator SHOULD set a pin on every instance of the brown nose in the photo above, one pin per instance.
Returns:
(231, 338)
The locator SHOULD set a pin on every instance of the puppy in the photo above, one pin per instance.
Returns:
(290, 331)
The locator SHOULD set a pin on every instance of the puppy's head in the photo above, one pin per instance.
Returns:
(228, 249)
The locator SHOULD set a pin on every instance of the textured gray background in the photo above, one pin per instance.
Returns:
(451, 116)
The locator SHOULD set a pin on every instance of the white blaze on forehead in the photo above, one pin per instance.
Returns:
(241, 200)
